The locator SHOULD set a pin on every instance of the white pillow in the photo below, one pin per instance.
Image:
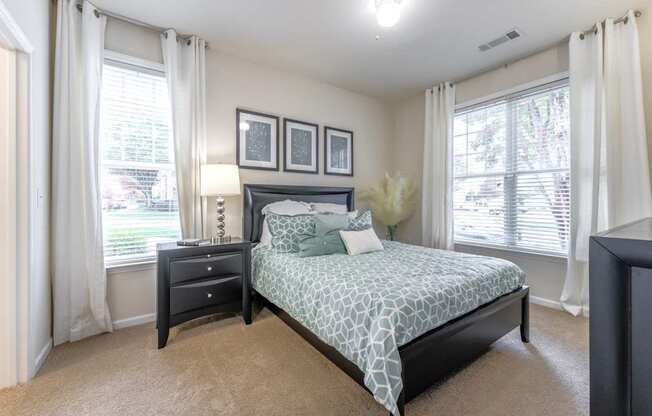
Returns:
(328, 208)
(352, 214)
(287, 207)
(360, 242)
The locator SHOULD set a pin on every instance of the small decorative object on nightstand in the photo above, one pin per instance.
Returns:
(195, 281)
(220, 181)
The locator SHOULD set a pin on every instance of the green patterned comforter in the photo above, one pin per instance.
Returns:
(367, 306)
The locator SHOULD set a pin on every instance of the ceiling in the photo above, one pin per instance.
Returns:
(335, 40)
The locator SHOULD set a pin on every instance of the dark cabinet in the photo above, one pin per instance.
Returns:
(620, 290)
(201, 280)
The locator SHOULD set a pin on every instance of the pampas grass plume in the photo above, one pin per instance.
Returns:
(393, 201)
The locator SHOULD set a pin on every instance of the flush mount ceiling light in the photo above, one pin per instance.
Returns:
(388, 12)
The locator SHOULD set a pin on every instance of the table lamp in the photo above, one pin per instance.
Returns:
(219, 181)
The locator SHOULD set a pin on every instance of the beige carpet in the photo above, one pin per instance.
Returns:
(225, 368)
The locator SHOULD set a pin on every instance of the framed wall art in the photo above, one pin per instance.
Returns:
(257, 142)
(338, 151)
(301, 146)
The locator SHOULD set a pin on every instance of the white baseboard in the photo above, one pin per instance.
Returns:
(552, 304)
(133, 321)
(40, 359)
(123, 323)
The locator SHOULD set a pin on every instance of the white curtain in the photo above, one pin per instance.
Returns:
(185, 69)
(437, 185)
(610, 178)
(79, 278)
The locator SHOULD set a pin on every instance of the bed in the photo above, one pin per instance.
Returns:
(396, 321)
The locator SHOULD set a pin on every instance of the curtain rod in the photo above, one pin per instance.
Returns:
(622, 19)
(126, 19)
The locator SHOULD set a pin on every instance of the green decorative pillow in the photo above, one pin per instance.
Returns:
(327, 222)
(361, 222)
(326, 238)
(288, 230)
(322, 244)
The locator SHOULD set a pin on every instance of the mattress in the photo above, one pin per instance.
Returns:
(367, 306)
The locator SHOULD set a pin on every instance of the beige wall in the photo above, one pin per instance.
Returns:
(549, 62)
(386, 138)
(409, 115)
(545, 275)
(131, 294)
(133, 40)
(233, 83)
(409, 119)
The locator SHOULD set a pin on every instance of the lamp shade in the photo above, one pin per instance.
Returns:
(220, 180)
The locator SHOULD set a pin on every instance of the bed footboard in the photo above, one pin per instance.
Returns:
(458, 342)
(525, 318)
(436, 354)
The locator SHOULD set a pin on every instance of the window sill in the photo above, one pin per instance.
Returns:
(134, 265)
(554, 258)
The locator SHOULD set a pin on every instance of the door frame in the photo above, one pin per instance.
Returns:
(15, 287)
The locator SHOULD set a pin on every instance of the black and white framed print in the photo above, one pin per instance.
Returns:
(301, 146)
(256, 140)
(338, 152)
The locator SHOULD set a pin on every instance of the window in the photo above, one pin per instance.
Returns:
(511, 171)
(139, 191)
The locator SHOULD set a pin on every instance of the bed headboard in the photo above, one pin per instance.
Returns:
(257, 196)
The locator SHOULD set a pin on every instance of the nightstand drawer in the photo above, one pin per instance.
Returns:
(206, 293)
(205, 266)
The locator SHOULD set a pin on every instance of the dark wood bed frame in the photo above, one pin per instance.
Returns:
(426, 359)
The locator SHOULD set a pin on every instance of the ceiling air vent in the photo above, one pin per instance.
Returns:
(509, 36)
(513, 34)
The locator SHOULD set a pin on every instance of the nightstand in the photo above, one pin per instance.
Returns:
(194, 281)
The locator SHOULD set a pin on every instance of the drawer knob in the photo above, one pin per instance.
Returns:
(210, 295)
(209, 268)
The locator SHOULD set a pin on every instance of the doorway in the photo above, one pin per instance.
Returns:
(8, 221)
(15, 142)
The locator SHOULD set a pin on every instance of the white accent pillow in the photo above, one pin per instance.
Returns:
(287, 207)
(328, 208)
(350, 215)
(360, 242)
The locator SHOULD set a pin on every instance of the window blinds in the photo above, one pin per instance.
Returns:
(139, 192)
(511, 171)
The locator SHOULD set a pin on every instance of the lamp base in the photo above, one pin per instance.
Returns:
(221, 240)
(220, 237)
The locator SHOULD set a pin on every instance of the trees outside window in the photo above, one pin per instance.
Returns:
(139, 192)
(511, 171)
